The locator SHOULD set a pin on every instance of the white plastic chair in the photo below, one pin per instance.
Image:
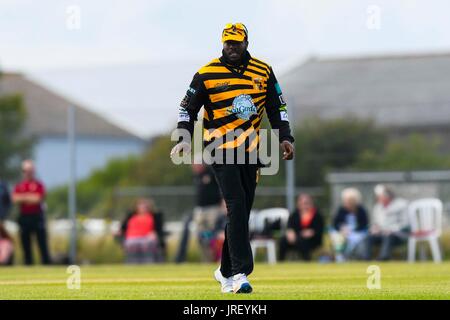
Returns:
(425, 218)
(257, 221)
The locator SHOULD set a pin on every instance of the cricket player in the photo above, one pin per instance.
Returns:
(235, 90)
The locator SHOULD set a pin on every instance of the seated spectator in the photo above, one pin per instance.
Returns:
(350, 225)
(5, 201)
(389, 225)
(141, 239)
(6, 247)
(304, 229)
(207, 209)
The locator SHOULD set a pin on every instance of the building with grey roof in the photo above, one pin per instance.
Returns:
(403, 93)
(98, 140)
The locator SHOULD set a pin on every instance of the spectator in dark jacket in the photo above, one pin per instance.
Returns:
(350, 225)
(304, 229)
(5, 201)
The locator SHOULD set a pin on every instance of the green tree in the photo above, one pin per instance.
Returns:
(94, 191)
(155, 168)
(414, 152)
(14, 146)
(322, 145)
(95, 194)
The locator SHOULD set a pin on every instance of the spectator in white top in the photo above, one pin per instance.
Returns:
(389, 223)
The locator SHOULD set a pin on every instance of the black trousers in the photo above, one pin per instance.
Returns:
(386, 243)
(237, 183)
(303, 246)
(33, 225)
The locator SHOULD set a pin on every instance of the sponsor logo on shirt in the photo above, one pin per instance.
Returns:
(258, 83)
(222, 86)
(243, 107)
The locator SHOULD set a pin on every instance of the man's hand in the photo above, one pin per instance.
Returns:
(308, 233)
(288, 150)
(291, 237)
(181, 147)
(375, 229)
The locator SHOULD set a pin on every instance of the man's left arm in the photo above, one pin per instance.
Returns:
(276, 110)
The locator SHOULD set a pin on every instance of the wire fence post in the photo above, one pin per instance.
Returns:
(72, 204)
(290, 169)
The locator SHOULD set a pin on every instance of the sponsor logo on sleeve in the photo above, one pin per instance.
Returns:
(183, 115)
(185, 102)
(283, 113)
(277, 88)
(191, 91)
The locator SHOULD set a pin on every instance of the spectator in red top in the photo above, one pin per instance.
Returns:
(29, 195)
(141, 239)
(304, 229)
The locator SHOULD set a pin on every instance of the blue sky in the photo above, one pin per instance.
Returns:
(123, 44)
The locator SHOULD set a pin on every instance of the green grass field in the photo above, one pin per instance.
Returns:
(194, 281)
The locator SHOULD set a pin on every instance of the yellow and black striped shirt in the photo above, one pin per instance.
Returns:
(234, 100)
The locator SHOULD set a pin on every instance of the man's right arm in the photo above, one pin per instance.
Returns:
(191, 104)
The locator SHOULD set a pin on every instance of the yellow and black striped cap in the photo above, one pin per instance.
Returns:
(234, 32)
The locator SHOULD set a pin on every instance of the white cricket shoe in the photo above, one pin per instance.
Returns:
(226, 283)
(241, 284)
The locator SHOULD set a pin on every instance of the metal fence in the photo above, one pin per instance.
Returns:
(176, 201)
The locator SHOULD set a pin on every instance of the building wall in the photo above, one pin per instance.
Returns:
(52, 156)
